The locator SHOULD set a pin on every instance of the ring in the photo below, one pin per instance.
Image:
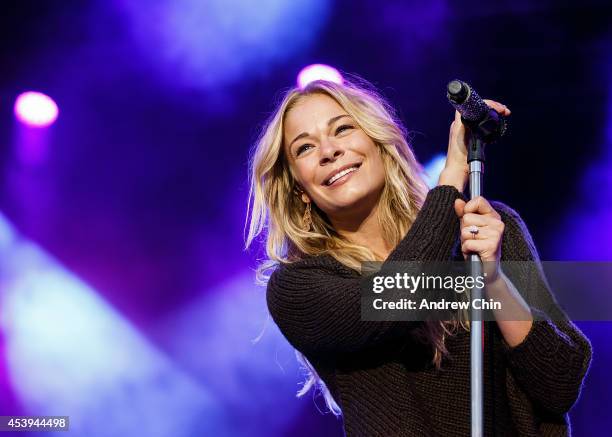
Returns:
(474, 230)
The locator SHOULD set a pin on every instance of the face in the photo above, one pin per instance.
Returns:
(331, 157)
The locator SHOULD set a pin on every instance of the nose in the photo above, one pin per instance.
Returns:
(330, 151)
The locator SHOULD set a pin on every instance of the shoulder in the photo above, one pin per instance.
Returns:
(308, 265)
(305, 275)
(511, 218)
(506, 212)
(517, 242)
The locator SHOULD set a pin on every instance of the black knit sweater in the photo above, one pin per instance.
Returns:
(384, 380)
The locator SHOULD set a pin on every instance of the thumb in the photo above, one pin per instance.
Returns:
(459, 206)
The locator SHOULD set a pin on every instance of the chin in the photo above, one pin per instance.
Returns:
(353, 198)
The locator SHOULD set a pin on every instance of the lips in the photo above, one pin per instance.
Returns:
(340, 172)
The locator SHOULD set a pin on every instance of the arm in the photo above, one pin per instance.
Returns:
(516, 319)
(551, 361)
(316, 302)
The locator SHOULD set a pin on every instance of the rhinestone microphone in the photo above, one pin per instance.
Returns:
(482, 120)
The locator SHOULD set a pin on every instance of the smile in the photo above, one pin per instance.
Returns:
(341, 176)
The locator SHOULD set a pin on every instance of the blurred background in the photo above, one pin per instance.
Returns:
(127, 301)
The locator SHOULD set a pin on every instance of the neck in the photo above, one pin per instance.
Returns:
(363, 228)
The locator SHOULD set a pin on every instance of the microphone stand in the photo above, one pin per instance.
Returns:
(485, 127)
(476, 160)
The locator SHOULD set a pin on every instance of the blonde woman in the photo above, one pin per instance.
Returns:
(335, 183)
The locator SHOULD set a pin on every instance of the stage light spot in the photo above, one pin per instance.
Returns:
(433, 169)
(68, 352)
(318, 72)
(36, 109)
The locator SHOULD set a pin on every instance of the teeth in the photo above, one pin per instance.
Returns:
(339, 175)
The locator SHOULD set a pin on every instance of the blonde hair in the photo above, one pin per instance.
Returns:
(275, 208)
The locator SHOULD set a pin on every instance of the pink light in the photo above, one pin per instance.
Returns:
(318, 72)
(35, 109)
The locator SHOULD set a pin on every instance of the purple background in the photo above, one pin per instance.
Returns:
(128, 302)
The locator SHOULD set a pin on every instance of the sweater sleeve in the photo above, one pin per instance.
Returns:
(316, 302)
(551, 362)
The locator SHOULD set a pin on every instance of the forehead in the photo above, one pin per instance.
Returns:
(310, 112)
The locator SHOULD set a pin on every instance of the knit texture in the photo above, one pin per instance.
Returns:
(383, 378)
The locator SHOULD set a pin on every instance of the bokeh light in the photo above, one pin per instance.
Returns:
(433, 168)
(36, 109)
(318, 72)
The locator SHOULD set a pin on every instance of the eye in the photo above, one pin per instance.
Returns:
(302, 148)
(342, 128)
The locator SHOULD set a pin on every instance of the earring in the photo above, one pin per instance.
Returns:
(307, 218)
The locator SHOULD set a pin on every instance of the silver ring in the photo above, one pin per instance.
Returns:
(474, 230)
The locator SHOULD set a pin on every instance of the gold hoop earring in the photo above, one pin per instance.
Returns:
(307, 218)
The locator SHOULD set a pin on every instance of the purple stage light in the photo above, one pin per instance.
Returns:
(68, 352)
(208, 44)
(318, 72)
(36, 109)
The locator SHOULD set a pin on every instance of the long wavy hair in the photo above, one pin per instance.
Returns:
(275, 208)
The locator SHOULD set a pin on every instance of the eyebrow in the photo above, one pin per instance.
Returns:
(329, 123)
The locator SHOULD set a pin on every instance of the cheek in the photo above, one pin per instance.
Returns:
(377, 166)
(304, 171)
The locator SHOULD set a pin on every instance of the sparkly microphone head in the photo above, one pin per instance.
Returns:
(466, 101)
(483, 121)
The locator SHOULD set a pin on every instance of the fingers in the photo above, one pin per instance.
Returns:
(499, 107)
(484, 232)
(483, 216)
(459, 205)
(480, 205)
(457, 130)
(487, 249)
(472, 215)
(479, 213)
(482, 221)
(486, 243)
(471, 219)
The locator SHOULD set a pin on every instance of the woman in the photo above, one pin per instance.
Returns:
(334, 183)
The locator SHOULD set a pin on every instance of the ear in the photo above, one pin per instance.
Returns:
(305, 198)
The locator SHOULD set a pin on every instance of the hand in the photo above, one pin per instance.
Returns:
(456, 170)
(487, 242)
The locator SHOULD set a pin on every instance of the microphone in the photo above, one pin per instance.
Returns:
(484, 122)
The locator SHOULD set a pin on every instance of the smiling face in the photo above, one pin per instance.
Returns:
(331, 157)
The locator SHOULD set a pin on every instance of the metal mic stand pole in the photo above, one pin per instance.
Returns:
(476, 163)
